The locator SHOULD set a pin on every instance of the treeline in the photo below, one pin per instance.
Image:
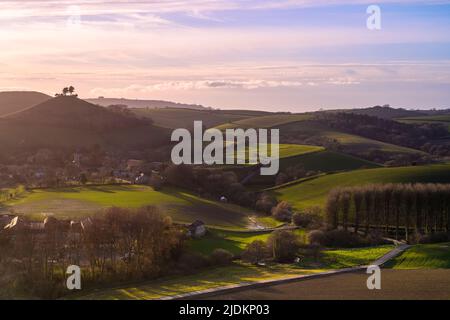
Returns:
(115, 245)
(394, 208)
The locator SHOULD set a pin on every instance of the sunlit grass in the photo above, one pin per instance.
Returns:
(423, 256)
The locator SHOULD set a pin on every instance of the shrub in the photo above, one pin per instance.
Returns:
(345, 239)
(190, 262)
(434, 237)
(221, 257)
(282, 211)
(179, 175)
(156, 181)
(341, 238)
(317, 237)
(255, 252)
(265, 203)
(308, 219)
(283, 245)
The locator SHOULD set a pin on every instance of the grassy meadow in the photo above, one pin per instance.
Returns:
(233, 241)
(235, 274)
(83, 201)
(313, 192)
(423, 256)
(327, 161)
(184, 118)
(265, 121)
(285, 150)
(443, 119)
(350, 142)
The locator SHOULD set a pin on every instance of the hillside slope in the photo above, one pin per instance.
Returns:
(386, 112)
(76, 202)
(313, 192)
(137, 103)
(69, 121)
(72, 112)
(184, 118)
(14, 101)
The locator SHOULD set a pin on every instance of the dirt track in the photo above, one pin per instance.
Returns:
(395, 284)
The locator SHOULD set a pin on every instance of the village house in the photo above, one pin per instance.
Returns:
(5, 219)
(142, 179)
(197, 229)
(19, 223)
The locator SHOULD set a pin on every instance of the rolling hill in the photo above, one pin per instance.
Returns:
(313, 192)
(69, 121)
(76, 202)
(327, 161)
(386, 112)
(265, 121)
(442, 119)
(137, 103)
(313, 132)
(72, 112)
(184, 118)
(300, 128)
(14, 101)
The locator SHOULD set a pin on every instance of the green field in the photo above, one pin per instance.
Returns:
(313, 192)
(184, 118)
(266, 121)
(233, 241)
(443, 119)
(235, 274)
(327, 161)
(319, 161)
(423, 256)
(285, 150)
(344, 258)
(350, 143)
(207, 279)
(84, 201)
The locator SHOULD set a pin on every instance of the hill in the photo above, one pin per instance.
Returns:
(74, 113)
(443, 119)
(327, 161)
(386, 112)
(69, 121)
(266, 121)
(313, 192)
(329, 130)
(14, 101)
(137, 103)
(76, 202)
(313, 132)
(184, 118)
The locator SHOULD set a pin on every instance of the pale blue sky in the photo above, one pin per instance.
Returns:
(271, 54)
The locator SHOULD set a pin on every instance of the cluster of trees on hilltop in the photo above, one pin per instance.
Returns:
(408, 135)
(424, 208)
(70, 90)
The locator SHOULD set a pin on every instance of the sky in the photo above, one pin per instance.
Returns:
(275, 55)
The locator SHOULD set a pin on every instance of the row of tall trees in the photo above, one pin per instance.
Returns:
(423, 208)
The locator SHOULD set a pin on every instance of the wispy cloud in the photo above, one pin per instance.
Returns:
(227, 49)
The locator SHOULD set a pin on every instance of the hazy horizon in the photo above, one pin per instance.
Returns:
(267, 55)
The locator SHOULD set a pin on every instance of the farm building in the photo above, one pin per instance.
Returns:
(197, 229)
